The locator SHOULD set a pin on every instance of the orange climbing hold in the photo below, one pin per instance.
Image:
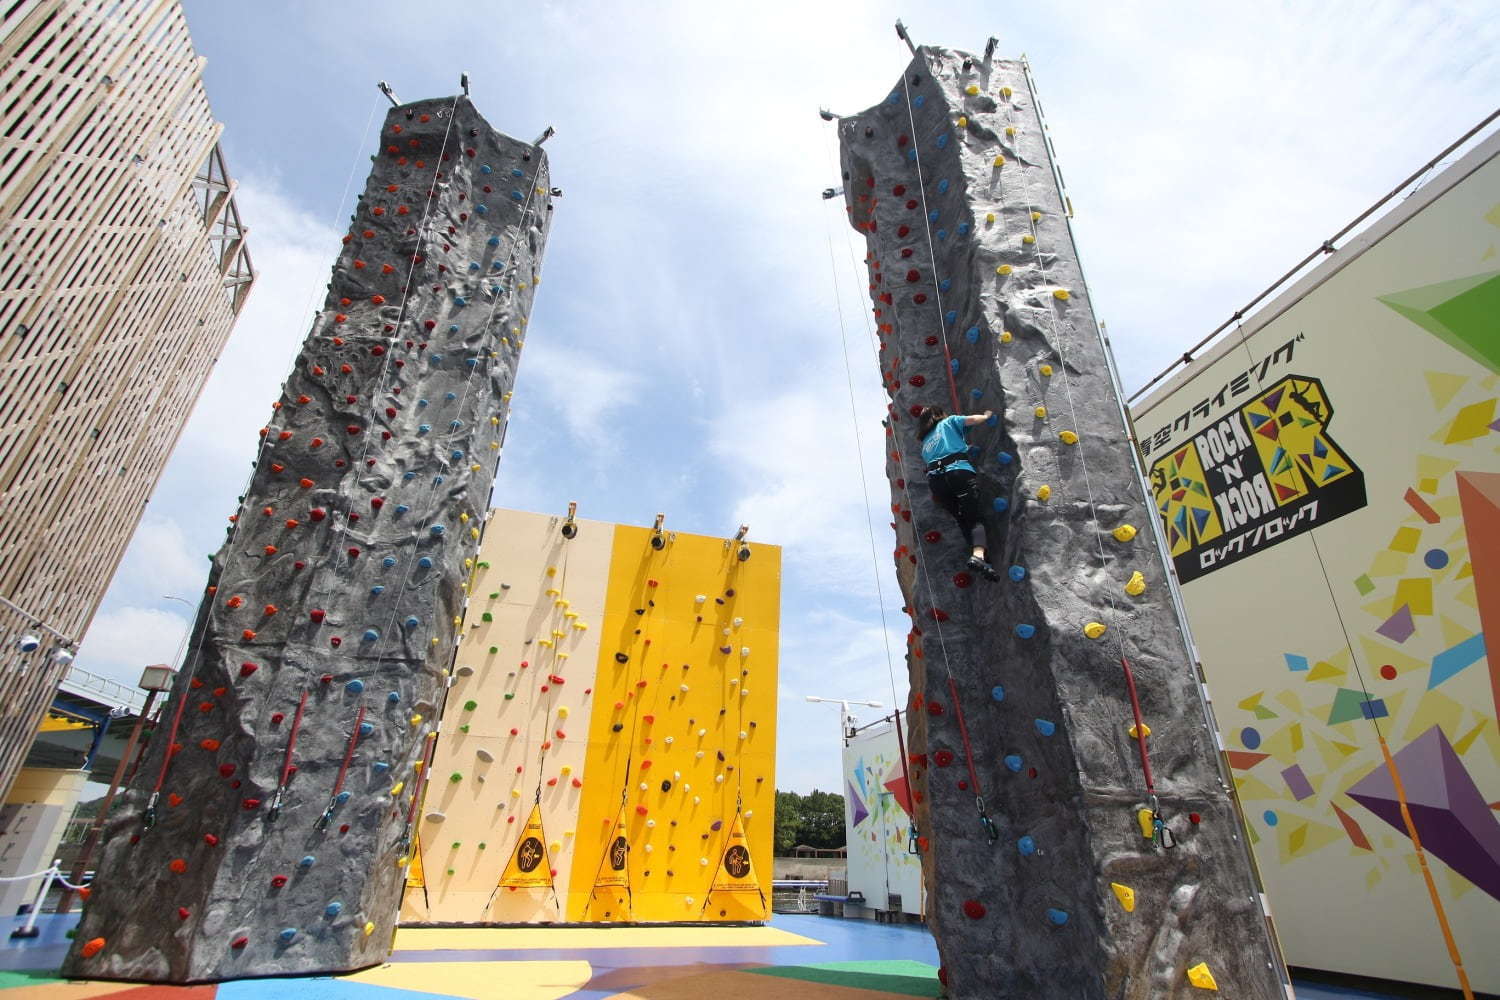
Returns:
(92, 947)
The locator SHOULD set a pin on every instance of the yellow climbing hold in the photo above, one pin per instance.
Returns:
(1094, 629)
(1028, 239)
(963, 121)
(999, 161)
(369, 927)
(416, 720)
(396, 788)
(403, 861)
(1045, 369)
(990, 218)
(1200, 977)
(1136, 734)
(1005, 91)
(1136, 585)
(1147, 820)
(1036, 216)
(1003, 269)
(1006, 337)
(1043, 492)
(1061, 294)
(1010, 131)
(972, 90)
(551, 570)
(1068, 437)
(1041, 413)
(1124, 532)
(1125, 895)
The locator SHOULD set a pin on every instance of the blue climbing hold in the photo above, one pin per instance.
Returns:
(371, 635)
(450, 395)
(497, 266)
(452, 327)
(454, 425)
(997, 692)
(942, 141)
(402, 508)
(953, 367)
(437, 359)
(1014, 762)
(343, 797)
(355, 686)
(377, 590)
(932, 216)
(1025, 631)
(1000, 503)
(895, 98)
(516, 172)
(393, 697)
(951, 315)
(918, 101)
(1058, 917)
(473, 265)
(1005, 458)
(472, 362)
(945, 284)
(1026, 846)
(459, 300)
(972, 334)
(976, 393)
(516, 196)
(963, 229)
(307, 861)
(942, 186)
(911, 154)
(425, 562)
(412, 621)
(992, 420)
(421, 403)
(388, 562)
(485, 169)
(424, 428)
(287, 933)
(380, 767)
(481, 208)
(494, 241)
(1017, 573)
(942, 234)
(408, 475)
(333, 909)
(456, 456)
(1045, 727)
(366, 728)
(437, 480)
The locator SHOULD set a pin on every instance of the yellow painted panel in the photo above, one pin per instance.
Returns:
(677, 757)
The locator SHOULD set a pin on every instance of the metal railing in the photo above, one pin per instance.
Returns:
(104, 689)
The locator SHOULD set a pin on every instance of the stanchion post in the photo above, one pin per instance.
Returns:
(28, 930)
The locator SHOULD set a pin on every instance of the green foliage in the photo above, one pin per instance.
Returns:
(815, 819)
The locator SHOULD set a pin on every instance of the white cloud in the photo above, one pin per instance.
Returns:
(159, 561)
(121, 641)
(578, 389)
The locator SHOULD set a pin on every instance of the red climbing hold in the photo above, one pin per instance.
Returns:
(640, 810)
(934, 708)
(913, 275)
(932, 536)
(210, 840)
(306, 484)
(378, 300)
(353, 552)
(1194, 818)
(248, 635)
(225, 770)
(246, 669)
(962, 580)
(943, 758)
(210, 745)
(974, 909)
(916, 381)
(898, 190)
(317, 513)
(174, 799)
(377, 502)
(250, 804)
(177, 865)
(903, 231)
(270, 609)
(902, 140)
(239, 942)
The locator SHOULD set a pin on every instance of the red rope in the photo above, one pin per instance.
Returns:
(291, 741)
(166, 761)
(359, 719)
(963, 730)
(901, 744)
(948, 370)
(1140, 726)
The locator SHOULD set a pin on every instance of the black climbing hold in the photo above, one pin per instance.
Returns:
(869, 133)
(618, 726)
(666, 785)
(916, 79)
(622, 658)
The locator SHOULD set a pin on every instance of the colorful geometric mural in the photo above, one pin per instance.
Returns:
(878, 821)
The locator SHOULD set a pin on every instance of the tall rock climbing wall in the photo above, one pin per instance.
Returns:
(1048, 873)
(262, 832)
(613, 713)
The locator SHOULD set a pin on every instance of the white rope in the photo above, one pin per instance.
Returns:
(70, 885)
(26, 878)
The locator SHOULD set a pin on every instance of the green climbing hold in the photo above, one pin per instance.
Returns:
(456, 843)
(494, 650)
(455, 776)
(481, 845)
(470, 705)
(464, 728)
(509, 695)
(487, 617)
(495, 596)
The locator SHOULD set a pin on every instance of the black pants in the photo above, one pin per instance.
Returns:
(957, 492)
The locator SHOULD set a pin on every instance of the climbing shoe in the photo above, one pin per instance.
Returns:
(983, 568)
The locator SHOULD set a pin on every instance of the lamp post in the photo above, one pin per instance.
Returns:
(846, 718)
(154, 680)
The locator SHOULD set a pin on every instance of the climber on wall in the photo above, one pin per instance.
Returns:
(955, 484)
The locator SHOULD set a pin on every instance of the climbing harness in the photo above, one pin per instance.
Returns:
(941, 465)
(338, 784)
(286, 761)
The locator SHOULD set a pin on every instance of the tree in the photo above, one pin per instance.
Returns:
(815, 819)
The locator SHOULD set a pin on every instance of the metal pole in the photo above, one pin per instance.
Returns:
(65, 905)
(29, 930)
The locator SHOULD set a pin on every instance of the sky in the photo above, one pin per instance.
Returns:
(685, 353)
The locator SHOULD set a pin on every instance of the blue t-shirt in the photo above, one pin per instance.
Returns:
(947, 438)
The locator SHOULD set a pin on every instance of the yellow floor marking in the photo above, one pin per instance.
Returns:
(493, 938)
(478, 980)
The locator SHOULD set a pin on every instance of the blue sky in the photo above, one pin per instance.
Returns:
(684, 353)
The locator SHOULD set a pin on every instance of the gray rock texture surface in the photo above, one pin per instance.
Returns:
(340, 586)
(973, 269)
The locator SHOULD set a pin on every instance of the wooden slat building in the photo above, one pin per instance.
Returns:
(122, 267)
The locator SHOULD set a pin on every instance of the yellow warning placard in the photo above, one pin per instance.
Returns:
(529, 866)
(414, 876)
(736, 870)
(614, 870)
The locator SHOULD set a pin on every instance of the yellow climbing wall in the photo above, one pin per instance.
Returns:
(601, 678)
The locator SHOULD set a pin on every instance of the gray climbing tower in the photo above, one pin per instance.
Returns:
(1020, 710)
(331, 611)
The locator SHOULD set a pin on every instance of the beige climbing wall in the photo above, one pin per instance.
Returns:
(678, 646)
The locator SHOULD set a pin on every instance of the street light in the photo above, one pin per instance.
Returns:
(154, 680)
(846, 718)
